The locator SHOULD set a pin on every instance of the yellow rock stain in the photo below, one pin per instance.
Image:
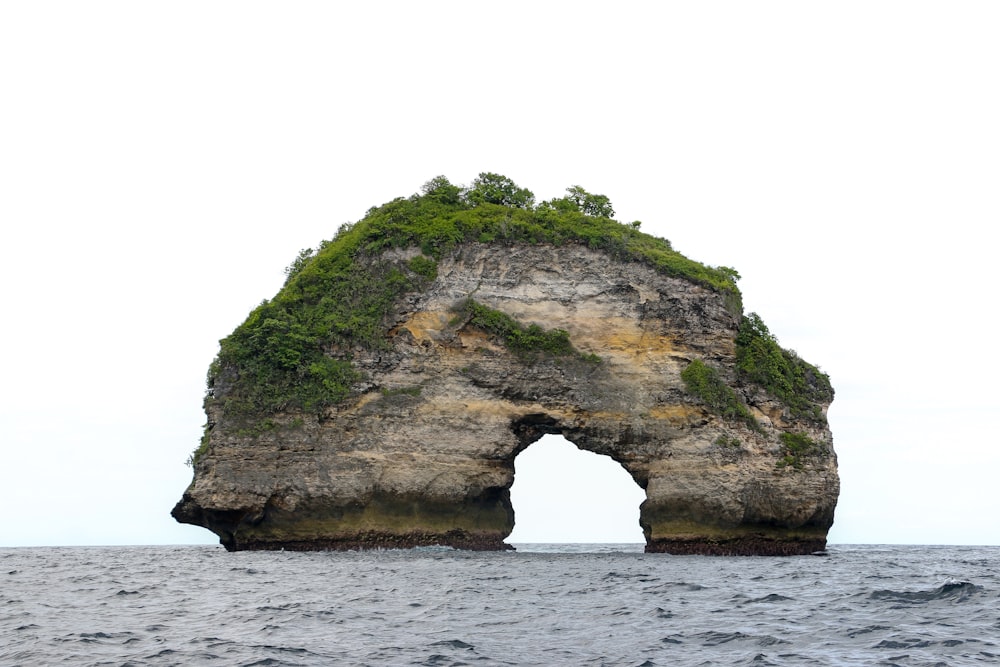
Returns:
(678, 415)
(426, 324)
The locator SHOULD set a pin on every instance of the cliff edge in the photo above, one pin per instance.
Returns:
(380, 398)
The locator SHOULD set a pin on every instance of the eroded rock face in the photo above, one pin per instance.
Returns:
(424, 452)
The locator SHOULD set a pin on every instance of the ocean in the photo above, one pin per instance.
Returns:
(542, 605)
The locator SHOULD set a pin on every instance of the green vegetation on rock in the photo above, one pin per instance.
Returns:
(704, 382)
(424, 266)
(522, 340)
(494, 210)
(760, 361)
(797, 446)
(201, 449)
(294, 351)
(798, 384)
(727, 442)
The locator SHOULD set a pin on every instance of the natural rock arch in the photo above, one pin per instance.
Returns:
(422, 452)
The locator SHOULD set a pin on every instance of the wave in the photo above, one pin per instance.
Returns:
(773, 597)
(714, 638)
(952, 590)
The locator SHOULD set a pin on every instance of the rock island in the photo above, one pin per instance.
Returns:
(380, 398)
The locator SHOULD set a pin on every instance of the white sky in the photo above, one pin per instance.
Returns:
(161, 163)
(564, 494)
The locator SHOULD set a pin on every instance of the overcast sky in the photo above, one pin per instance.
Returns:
(161, 163)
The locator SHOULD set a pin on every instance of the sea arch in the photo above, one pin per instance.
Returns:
(421, 451)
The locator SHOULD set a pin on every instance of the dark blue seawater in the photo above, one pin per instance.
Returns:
(544, 605)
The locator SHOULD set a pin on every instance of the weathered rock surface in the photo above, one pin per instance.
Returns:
(423, 452)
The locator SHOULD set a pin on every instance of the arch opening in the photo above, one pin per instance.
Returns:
(564, 494)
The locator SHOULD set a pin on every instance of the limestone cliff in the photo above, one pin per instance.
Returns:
(416, 443)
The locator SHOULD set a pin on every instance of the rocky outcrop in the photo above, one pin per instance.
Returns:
(422, 452)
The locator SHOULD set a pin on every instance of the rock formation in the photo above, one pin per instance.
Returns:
(419, 448)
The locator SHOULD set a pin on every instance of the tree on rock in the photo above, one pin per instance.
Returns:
(490, 188)
(598, 206)
(578, 199)
(440, 189)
